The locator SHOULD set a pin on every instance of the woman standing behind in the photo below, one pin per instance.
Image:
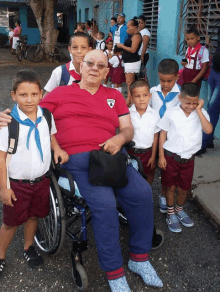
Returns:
(130, 56)
(143, 52)
(17, 33)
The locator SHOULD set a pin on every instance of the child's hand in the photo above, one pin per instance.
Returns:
(152, 162)
(62, 154)
(110, 55)
(200, 105)
(7, 195)
(162, 163)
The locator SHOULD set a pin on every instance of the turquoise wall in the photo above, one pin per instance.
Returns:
(83, 4)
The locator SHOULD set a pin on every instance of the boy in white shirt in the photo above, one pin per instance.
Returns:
(100, 42)
(180, 139)
(68, 73)
(165, 96)
(25, 196)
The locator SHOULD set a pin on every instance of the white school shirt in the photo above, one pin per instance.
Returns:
(156, 102)
(10, 34)
(204, 59)
(55, 78)
(143, 32)
(27, 163)
(145, 127)
(184, 134)
(117, 35)
(115, 62)
(100, 45)
(106, 52)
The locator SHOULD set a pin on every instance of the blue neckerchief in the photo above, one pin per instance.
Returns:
(170, 96)
(32, 125)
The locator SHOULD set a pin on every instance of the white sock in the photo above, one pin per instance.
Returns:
(105, 85)
(120, 89)
(112, 85)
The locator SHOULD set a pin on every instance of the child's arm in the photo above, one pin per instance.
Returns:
(152, 160)
(6, 195)
(205, 67)
(162, 160)
(206, 125)
(58, 152)
(93, 36)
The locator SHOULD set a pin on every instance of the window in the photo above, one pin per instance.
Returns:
(86, 14)
(31, 20)
(80, 15)
(205, 16)
(4, 17)
(150, 11)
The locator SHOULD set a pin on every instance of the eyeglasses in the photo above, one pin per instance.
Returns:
(92, 64)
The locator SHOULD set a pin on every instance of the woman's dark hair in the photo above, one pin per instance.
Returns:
(18, 22)
(134, 21)
(25, 76)
(193, 30)
(168, 67)
(117, 50)
(80, 34)
(88, 22)
(191, 89)
(142, 17)
(139, 83)
(114, 18)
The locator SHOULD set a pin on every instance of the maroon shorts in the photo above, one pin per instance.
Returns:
(177, 174)
(144, 157)
(32, 201)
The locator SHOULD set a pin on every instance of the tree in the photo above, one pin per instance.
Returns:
(44, 13)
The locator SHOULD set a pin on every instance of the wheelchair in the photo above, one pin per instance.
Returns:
(69, 214)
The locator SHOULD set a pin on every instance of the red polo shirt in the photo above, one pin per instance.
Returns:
(84, 120)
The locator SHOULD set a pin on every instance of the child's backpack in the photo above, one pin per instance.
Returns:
(65, 76)
(13, 130)
(200, 54)
(100, 45)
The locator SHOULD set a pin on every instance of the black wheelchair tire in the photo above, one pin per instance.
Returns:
(81, 282)
(19, 53)
(55, 223)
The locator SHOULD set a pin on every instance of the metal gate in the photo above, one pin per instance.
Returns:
(104, 11)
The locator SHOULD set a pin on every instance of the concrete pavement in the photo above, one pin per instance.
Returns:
(206, 181)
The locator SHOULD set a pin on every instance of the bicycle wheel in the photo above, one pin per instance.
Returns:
(35, 53)
(24, 51)
(51, 230)
(19, 53)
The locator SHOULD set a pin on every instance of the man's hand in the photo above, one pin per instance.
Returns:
(151, 162)
(162, 163)
(200, 105)
(5, 119)
(113, 145)
(7, 195)
(58, 152)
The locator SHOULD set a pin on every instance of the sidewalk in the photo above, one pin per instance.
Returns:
(207, 181)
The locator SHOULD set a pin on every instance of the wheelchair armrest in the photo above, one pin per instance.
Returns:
(129, 145)
(64, 172)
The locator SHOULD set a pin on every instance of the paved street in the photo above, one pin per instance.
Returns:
(188, 261)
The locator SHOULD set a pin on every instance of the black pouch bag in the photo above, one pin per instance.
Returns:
(108, 170)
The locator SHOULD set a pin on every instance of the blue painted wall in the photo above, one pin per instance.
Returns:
(83, 4)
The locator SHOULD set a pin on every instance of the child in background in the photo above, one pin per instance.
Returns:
(100, 42)
(144, 120)
(118, 75)
(196, 60)
(109, 53)
(10, 36)
(180, 139)
(27, 197)
(165, 96)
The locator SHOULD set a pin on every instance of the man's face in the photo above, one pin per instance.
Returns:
(120, 19)
(94, 68)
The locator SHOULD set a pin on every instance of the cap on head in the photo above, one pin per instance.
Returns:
(121, 14)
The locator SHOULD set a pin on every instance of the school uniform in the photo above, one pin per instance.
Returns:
(55, 77)
(118, 75)
(145, 127)
(100, 45)
(107, 52)
(161, 103)
(194, 64)
(184, 139)
(27, 164)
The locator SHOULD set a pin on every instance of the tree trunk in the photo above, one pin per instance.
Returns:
(44, 13)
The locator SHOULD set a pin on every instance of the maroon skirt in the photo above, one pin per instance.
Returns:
(118, 75)
(189, 74)
(110, 70)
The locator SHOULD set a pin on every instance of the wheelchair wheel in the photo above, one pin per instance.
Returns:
(52, 229)
(80, 279)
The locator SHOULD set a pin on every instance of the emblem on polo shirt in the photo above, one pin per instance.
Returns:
(111, 102)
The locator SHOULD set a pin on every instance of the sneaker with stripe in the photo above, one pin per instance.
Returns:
(32, 257)
(2, 266)
(184, 219)
(173, 223)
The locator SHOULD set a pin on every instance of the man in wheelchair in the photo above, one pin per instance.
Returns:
(87, 116)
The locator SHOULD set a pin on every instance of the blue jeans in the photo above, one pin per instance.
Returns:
(213, 105)
(136, 201)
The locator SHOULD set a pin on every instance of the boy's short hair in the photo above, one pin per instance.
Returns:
(193, 30)
(80, 34)
(191, 89)
(168, 67)
(102, 35)
(25, 76)
(139, 83)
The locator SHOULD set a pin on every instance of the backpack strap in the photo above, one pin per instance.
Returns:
(100, 45)
(65, 76)
(47, 115)
(119, 60)
(13, 134)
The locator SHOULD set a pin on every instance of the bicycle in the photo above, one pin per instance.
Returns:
(36, 52)
(21, 49)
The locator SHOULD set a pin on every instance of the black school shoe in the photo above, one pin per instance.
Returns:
(2, 266)
(32, 257)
